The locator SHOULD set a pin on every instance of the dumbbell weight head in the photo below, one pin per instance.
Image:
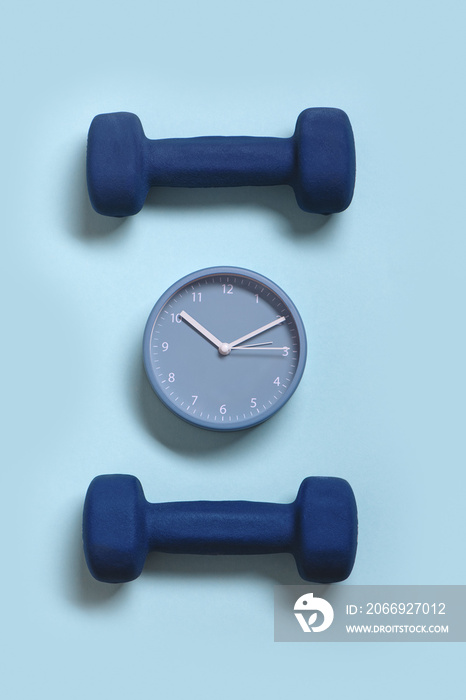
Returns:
(114, 528)
(325, 161)
(119, 528)
(117, 178)
(326, 529)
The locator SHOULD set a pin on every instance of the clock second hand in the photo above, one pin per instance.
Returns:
(254, 345)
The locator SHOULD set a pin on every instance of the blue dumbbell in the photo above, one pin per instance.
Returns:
(120, 528)
(318, 161)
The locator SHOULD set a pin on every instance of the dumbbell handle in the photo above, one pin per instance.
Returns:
(220, 527)
(220, 161)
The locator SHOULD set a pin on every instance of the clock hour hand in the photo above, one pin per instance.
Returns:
(262, 329)
(200, 329)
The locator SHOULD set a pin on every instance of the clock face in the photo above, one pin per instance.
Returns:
(224, 348)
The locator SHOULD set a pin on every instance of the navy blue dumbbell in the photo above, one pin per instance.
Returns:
(120, 528)
(318, 161)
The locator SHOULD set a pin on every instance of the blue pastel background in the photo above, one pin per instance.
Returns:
(380, 288)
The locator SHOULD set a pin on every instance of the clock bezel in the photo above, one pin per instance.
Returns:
(213, 272)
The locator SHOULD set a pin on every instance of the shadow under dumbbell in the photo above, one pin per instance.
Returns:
(279, 199)
(167, 428)
(278, 568)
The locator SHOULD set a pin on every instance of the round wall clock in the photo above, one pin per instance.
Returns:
(224, 348)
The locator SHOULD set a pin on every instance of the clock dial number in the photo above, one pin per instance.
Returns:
(223, 409)
(164, 346)
(227, 288)
(253, 403)
(171, 377)
(277, 381)
(176, 318)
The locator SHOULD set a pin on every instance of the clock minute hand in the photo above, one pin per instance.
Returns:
(200, 329)
(256, 332)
